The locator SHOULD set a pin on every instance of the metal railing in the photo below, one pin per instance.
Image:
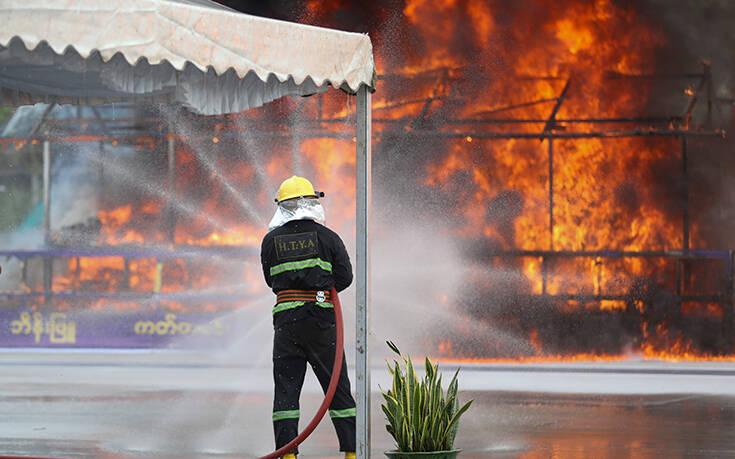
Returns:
(25, 293)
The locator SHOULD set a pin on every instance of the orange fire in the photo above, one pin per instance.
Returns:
(521, 64)
(465, 61)
(220, 200)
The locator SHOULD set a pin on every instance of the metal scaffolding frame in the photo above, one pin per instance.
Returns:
(676, 126)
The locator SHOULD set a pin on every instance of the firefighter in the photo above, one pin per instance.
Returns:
(302, 260)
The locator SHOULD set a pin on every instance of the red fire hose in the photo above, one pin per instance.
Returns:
(336, 369)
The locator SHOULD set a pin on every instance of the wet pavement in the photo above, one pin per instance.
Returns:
(121, 406)
(528, 425)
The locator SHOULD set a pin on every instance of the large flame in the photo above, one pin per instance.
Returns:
(459, 60)
(579, 60)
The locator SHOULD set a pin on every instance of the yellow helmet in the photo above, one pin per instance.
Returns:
(296, 187)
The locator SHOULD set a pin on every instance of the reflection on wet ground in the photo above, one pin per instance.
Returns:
(116, 412)
(530, 426)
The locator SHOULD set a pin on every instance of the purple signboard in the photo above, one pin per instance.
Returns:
(96, 329)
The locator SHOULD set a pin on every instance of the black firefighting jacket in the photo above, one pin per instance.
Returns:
(304, 255)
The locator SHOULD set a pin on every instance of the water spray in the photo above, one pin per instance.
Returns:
(331, 389)
(336, 369)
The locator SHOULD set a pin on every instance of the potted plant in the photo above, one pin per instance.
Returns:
(422, 418)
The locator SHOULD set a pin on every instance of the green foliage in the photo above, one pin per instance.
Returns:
(421, 417)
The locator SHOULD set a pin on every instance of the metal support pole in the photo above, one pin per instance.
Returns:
(545, 260)
(296, 154)
(683, 265)
(35, 186)
(551, 194)
(679, 278)
(598, 267)
(170, 215)
(47, 261)
(362, 361)
(296, 139)
(685, 192)
(729, 304)
(544, 274)
(46, 191)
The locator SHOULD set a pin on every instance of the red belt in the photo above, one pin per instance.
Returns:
(320, 296)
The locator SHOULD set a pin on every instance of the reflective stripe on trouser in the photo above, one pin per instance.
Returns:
(294, 344)
(288, 414)
(297, 304)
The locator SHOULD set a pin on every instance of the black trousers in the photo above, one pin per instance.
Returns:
(311, 340)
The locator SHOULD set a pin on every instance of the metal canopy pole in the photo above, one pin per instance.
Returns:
(170, 215)
(362, 361)
(48, 270)
(46, 191)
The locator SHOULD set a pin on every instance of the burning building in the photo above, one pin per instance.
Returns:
(574, 152)
(577, 162)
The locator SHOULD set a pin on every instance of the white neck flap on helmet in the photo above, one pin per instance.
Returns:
(297, 209)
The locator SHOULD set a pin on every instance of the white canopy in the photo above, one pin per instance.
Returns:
(195, 52)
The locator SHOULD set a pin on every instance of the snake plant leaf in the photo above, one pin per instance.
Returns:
(389, 428)
(452, 389)
(389, 416)
(429, 403)
(455, 419)
(410, 386)
(400, 435)
(429, 369)
(453, 429)
(390, 400)
(411, 374)
(415, 408)
(393, 347)
(391, 407)
(437, 423)
(436, 410)
(407, 435)
(397, 379)
(424, 439)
